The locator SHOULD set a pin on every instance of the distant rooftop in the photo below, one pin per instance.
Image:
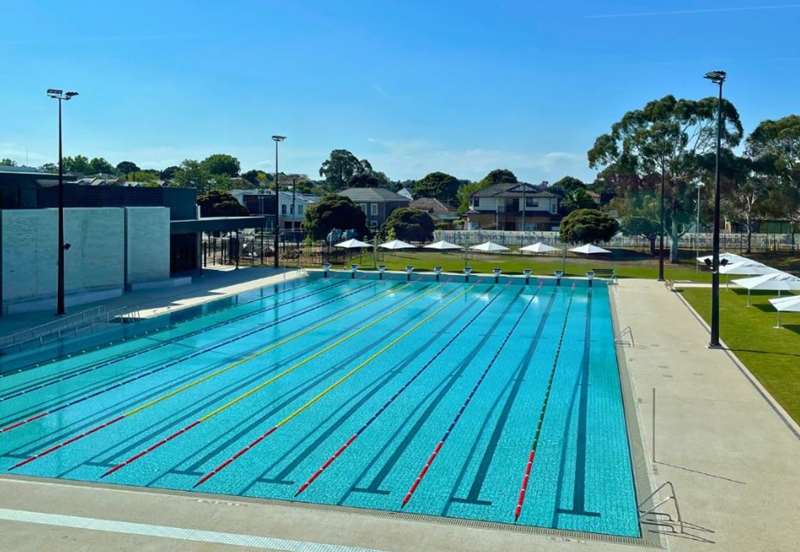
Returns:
(372, 194)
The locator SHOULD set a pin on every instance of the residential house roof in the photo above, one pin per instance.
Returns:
(430, 204)
(513, 189)
(374, 195)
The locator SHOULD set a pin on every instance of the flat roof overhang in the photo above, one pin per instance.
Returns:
(216, 224)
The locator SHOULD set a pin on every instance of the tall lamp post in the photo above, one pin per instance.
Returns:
(277, 140)
(61, 96)
(718, 78)
(661, 231)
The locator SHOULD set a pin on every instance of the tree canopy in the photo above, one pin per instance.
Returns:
(334, 211)
(7, 162)
(588, 226)
(78, 164)
(125, 167)
(340, 167)
(221, 164)
(220, 204)
(497, 176)
(667, 137)
(409, 224)
(439, 185)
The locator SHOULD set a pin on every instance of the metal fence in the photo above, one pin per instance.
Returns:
(700, 241)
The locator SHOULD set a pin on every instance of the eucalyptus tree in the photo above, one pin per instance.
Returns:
(666, 138)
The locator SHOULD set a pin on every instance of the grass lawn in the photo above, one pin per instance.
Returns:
(626, 266)
(772, 355)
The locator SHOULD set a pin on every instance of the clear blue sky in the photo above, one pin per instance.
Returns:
(414, 86)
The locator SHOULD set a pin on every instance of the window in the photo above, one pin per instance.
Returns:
(283, 209)
(363, 207)
(531, 202)
(374, 207)
(300, 209)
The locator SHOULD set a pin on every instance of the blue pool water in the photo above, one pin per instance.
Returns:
(374, 393)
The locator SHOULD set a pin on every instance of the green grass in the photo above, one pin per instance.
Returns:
(772, 355)
(625, 266)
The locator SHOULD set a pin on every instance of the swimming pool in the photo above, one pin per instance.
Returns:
(487, 401)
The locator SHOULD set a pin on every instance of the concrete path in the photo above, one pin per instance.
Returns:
(732, 458)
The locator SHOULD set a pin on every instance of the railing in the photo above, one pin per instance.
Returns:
(71, 324)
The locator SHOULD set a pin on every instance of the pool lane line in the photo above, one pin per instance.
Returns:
(406, 302)
(311, 402)
(56, 379)
(126, 355)
(432, 399)
(518, 377)
(235, 364)
(333, 457)
(149, 404)
(532, 453)
(432, 457)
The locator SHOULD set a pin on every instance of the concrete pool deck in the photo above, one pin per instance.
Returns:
(731, 457)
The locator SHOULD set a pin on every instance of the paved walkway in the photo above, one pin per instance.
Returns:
(733, 460)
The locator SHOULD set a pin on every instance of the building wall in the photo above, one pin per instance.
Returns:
(95, 263)
(147, 234)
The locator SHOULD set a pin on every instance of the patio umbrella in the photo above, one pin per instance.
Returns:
(443, 245)
(395, 245)
(589, 249)
(785, 304)
(538, 247)
(489, 247)
(352, 244)
(746, 267)
(774, 281)
(730, 257)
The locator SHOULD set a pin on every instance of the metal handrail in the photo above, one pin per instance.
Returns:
(654, 509)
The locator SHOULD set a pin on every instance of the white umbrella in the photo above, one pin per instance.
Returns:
(489, 247)
(746, 267)
(589, 249)
(730, 257)
(773, 281)
(785, 304)
(538, 247)
(396, 244)
(443, 246)
(352, 244)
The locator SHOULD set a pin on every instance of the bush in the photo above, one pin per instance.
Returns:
(409, 225)
(588, 226)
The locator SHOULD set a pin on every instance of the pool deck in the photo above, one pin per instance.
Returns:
(730, 455)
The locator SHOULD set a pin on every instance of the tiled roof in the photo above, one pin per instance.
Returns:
(377, 195)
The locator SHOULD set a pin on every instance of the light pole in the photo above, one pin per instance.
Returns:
(699, 186)
(277, 139)
(661, 233)
(61, 96)
(718, 78)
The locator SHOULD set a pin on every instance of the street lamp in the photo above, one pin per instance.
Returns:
(61, 96)
(661, 231)
(718, 78)
(699, 185)
(277, 139)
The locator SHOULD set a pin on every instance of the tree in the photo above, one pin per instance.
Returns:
(256, 177)
(126, 167)
(340, 167)
(8, 162)
(99, 165)
(192, 174)
(588, 226)
(577, 198)
(220, 204)
(221, 164)
(78, 164)
(366, 180)
(169, 173)
(667, 137)
(331, 212)
(49, 168)
(639, 217)
(439, 185)
(409, 224)
(147, 178)
(566, 185)
(775, 147)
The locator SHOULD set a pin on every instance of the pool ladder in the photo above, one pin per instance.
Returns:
(630, 342)
(656, 515)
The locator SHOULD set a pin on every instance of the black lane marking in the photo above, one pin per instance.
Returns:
(473, 496)
(445, 386)
(367, 393)
(579, 485)
(52, 380)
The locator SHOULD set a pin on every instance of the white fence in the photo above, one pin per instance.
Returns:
(730, 242)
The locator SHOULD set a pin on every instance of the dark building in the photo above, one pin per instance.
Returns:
(377, 203)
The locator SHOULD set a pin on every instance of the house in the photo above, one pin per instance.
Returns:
(514, 206)
(438, 211)
(292, 206)
(377, 203)
(405, 192)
